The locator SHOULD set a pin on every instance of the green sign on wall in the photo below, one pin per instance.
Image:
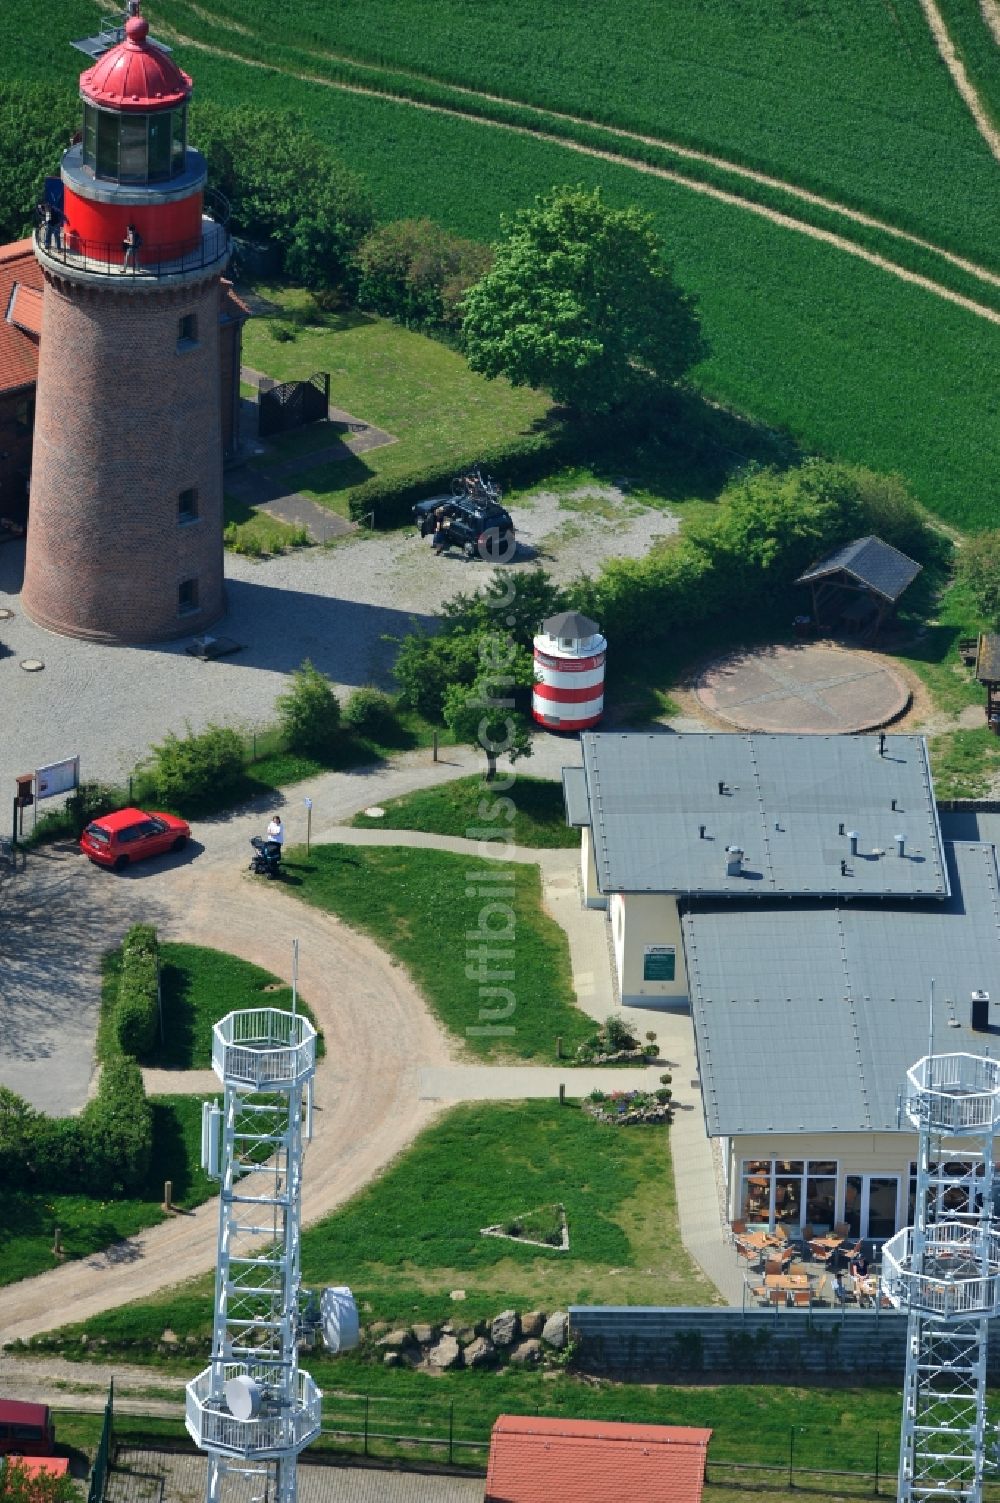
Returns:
(659, 963)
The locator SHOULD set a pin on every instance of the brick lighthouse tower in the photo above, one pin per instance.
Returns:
(125, 523)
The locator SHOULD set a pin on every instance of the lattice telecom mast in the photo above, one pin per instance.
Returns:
(945, 1270)
(254, 1409)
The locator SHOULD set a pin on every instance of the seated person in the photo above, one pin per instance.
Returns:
(859, 1264)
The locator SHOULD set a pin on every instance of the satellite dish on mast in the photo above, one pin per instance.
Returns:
(244, 1397)
(339, 1317)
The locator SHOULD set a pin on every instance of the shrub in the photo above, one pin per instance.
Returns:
(416, 272)
(89, 801)
(309, 714)
(117, 1131)
(618, 1035)
(371, 713)
(979, 568)
(194, 768)
(136, 1010)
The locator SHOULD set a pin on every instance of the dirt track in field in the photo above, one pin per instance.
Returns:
(707, 190)
(955, 66)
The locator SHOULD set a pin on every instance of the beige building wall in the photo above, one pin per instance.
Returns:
(592, 895)
(858, 1156)
(644, 928)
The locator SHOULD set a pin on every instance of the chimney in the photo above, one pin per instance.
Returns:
(900, 845)
(734, 861)
(980, 1011)
(853, 837)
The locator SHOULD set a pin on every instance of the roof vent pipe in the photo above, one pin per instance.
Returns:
(853, 837)
(734, 861)
(900, 845)
(881, 743)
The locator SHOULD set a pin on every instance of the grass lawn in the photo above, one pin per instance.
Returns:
(255, 532)
(415, 388)
(198, 987)
(411, 1237)
(965, 763)
(417, 905)
(86, 1225)
(532, 810)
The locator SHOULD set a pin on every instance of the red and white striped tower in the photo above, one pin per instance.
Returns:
(125, 522)
(569, 673)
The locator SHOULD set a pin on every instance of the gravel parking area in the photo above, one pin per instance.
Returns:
(334, 605)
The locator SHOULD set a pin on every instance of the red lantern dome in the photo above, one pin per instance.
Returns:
(135, 75)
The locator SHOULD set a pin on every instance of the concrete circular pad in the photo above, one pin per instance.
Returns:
(805, 689)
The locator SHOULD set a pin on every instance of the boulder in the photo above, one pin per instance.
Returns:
(458, 1294)
(446, 1354)
(395, 1340)
(555, 1330)
(480, 1353)
(505, 1328)
(170, 1338)
(527, 1352)
(532, 1323)
(423, 1334)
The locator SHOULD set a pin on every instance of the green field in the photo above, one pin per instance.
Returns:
(851, 98)
(418, 905)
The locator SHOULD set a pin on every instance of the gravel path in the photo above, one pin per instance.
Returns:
(333, 605)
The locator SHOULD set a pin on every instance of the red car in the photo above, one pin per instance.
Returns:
(130, 835)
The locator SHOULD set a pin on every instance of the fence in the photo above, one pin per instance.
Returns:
(292, 404)
(98, 1476)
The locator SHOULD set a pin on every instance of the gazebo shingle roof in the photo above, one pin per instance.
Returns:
(877, 565)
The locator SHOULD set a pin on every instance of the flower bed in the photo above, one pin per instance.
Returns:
(630, 1108)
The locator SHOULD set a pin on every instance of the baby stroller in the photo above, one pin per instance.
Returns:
(266, 858)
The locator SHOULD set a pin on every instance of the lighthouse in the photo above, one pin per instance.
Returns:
(125, 522)
(569, 660)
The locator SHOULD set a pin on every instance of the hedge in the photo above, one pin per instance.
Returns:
(136, 1014)
(106, 1150)
(389, 501)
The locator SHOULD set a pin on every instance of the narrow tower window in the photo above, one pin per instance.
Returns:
(187, 505)
(187, 331)
(187, 597)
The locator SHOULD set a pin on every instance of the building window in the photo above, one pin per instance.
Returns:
(187, 331)
(187, 505)
(187, 597)
(789, 1192)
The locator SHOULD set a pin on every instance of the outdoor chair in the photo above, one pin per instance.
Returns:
(774, 1264)
(802, 1299)
(738, 1228)
(777, 1297)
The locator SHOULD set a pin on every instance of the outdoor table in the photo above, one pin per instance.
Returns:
(760, 1240)
(825, 1247)
(789, 1282)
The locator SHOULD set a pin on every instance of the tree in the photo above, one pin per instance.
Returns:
(36, 122)
(979, 568)
(309, 714)
(416, 272)
(581, 301)
(17, 1485)
(476, 715)
(286, 186)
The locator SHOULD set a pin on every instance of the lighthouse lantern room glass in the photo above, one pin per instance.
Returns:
(134, 148)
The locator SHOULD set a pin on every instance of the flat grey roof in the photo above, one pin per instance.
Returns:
(575, 797)
(807, 1018)
(784, 799)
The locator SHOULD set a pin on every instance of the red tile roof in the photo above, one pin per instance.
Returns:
(26, 308)
(19, 272)
(586, 1461)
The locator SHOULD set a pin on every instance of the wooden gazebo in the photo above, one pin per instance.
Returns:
(988, 674)
(858, 586)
